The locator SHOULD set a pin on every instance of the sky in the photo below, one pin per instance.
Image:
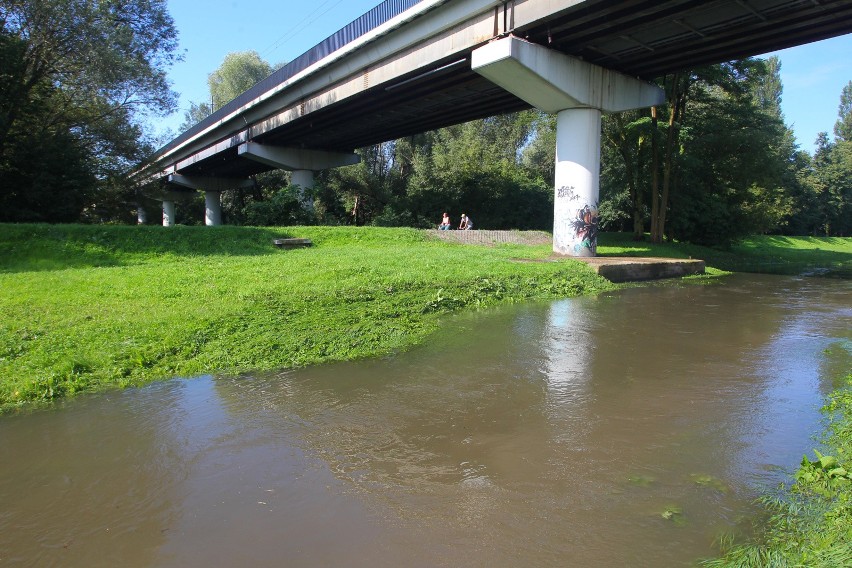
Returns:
(813, 75)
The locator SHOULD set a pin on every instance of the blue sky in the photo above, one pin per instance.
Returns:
(279, 30)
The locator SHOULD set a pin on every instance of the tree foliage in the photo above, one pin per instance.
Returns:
(77, 80)
(843, 126)
(238, 72)
(719, 167)
(475, 168)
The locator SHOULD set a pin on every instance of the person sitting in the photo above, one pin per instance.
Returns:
(445, 223)
(466, 224)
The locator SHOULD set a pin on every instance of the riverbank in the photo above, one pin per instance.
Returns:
(93, 307)
(809, 524)
(88, 307)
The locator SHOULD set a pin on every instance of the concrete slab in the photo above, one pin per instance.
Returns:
(292, 243)
(632, 269)
(613, 268)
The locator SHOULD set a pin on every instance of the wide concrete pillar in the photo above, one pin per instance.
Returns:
(302, 178)
(212, 188)
(578, 92)
(302, 162)
(168, 213)
(212, 208)
(577, 181)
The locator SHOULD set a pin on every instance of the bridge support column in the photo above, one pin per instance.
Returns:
(303, 163)
(168, 213)
(212, 208)
(212, 188)
(577, 181)
(141, 214)
(304, 180)
(578, 92)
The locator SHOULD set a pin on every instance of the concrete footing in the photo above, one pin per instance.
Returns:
(634, 269)
(613, 268)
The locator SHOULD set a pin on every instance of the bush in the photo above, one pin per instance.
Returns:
(286, 207)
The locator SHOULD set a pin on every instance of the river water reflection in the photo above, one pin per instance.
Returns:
(629, 429)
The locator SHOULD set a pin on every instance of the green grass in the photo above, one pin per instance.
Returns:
(87, 307)
(764, 253)
(90, 307)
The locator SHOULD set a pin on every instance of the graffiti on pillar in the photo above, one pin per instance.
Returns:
(567, 192)
(585, 226)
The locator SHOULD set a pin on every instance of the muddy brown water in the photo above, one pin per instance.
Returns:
(630, 429)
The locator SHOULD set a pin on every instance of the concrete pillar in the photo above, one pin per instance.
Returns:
(304, 179)
(302, 162)
(168, 213)
(141, 214)
(212, 208)
(578, 92)
(212, 188)
(577, 187)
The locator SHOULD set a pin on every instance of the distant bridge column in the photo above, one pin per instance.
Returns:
(212, 208)
(141, 214)
(212, 188)
(168, 213)
(169, 199)
(578, 92)
(303, 163)
(302, 178)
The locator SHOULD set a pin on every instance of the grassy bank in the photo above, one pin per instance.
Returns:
(88, 307)
(765, 253)
(811, 523)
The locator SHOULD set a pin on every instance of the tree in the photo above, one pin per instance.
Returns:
(77, 78)
(477, 168)
(843, 126)
(628, 134)
(237, 73)
(716, 158)
(736, 158)
(196, 113)
(539, 156)
(830, 181)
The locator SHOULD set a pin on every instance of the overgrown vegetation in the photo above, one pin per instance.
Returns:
(811, 524)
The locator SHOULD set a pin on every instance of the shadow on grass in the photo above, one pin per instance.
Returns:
(35, 247)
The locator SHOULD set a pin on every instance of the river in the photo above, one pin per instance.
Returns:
(628, 429)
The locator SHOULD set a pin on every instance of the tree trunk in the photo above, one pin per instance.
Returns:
(676, 105)
(655, 178)
(637, 203)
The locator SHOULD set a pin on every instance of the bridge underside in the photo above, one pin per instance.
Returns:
(411, 66)
(645, 39)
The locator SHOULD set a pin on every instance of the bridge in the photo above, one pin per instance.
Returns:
(409, 66)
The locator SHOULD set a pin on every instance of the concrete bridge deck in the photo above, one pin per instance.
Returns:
(613, 268)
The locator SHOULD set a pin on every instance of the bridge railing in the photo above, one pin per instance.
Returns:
(347, 34)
